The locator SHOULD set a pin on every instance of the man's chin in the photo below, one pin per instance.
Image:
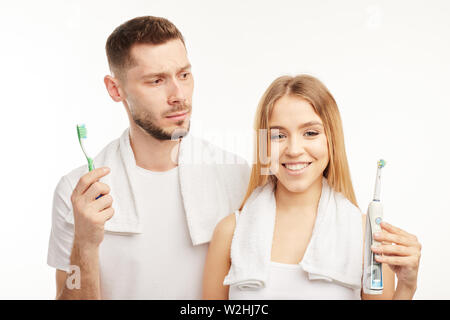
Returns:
(179, 131)
(174, 131)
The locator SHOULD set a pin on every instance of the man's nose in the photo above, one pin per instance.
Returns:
(176, 94)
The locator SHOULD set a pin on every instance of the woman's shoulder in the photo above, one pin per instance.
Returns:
(363, 217)
(225, 228)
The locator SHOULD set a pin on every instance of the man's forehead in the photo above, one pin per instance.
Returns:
(163, 58)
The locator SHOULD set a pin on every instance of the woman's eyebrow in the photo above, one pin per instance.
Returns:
(306, 124)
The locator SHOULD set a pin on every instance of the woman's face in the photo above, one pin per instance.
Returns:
(299, 149)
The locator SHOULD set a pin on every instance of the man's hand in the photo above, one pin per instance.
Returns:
(90, 214)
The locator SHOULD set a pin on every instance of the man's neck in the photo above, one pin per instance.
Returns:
(153, 154)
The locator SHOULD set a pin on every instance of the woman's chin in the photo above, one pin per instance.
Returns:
(294, 186)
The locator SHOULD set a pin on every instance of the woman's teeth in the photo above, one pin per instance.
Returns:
(297, 167)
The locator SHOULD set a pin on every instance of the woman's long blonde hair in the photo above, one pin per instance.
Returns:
(312, 90)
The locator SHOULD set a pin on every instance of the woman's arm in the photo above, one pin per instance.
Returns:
(218, 260)
(400, 251)
(388, 278)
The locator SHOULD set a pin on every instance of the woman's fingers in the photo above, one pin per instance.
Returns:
(396, 235)
(407, 261)
(393, 250)
(393, 229)
(391, 238)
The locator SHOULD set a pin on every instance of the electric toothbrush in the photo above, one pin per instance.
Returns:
(373, 273)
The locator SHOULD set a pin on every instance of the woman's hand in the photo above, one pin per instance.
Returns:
(401, 251)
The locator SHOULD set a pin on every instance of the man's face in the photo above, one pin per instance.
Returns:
(158, 89)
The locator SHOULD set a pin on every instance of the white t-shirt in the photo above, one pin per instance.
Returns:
(290, 282)
(160, 263)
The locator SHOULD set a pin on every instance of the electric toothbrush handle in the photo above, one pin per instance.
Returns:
(375, 218)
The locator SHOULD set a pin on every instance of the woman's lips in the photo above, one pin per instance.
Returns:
(295, 169)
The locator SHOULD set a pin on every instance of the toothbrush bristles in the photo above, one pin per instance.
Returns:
(381, 163)
(82, 131)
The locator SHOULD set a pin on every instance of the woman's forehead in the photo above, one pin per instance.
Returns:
(291, 111)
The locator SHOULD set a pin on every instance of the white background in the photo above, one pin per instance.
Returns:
(386, 63)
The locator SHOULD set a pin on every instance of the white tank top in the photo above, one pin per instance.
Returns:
(291, 282)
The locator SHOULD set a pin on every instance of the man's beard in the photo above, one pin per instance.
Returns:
(146, 121)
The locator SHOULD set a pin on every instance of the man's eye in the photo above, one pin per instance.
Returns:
(156, 81)
(185, 75)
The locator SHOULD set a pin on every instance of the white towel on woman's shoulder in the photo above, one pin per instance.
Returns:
(334, 252)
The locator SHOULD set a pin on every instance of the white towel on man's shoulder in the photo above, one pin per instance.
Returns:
(334, 252)
(212, 182)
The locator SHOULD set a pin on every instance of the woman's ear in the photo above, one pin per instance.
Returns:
(114, 89)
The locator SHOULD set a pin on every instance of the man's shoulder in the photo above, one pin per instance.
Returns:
(212, 153)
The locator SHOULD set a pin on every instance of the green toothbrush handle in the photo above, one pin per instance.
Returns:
(92, 167)
(90, 164)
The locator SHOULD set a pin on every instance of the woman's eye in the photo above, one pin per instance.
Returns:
(311, 133)
(277, 136)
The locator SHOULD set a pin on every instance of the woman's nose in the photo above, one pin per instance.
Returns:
(295, 147)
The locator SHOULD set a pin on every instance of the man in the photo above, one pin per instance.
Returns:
(137, 226)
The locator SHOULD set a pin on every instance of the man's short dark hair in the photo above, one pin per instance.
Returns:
(140, 30)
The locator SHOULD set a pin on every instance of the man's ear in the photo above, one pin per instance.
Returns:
(114, 89)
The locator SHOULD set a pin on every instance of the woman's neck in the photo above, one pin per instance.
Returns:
(302, 203)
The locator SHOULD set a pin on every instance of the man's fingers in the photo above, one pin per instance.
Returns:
(102, 203)
(96, 189)
(89, 178)
(107, 213)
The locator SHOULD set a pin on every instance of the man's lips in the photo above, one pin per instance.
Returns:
(178, 115)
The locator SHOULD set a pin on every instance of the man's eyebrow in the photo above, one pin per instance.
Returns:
(188, 66)
(163, 74)
(306, 124)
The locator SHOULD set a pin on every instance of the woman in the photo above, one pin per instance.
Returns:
(287, 241)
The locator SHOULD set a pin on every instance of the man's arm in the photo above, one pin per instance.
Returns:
(61, 277)
(90, 214)
(86, 259)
